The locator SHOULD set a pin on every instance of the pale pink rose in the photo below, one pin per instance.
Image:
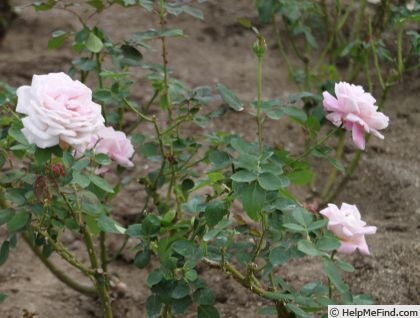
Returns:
(58, 109)
(115, 144)
(355, 109)
(347, 225)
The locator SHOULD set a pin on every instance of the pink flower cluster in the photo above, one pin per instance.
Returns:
(355, 109)
(61, 111)
(347, 225)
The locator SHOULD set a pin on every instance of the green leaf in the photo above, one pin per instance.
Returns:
(5, 215)
(243, 176)
(298, 311)
(271, 182)
(206, 311)
(184, 247)
(172, 33)
(103, 95)
(18, 221)
(229, 97)
(101, 183)
(80, 179)
(57, 40)
(17, 135)
(191, 275)
(180, 291)
(154, 278)
(2, 297)
(308, 248)
(294, 227)
(278, 256)
(301, 177)
(42, 156)
(4, 252)
(302, 216)
(344, 266)
(93, 43)
(102, 159)
(153, 306)
(317, 225)
(295, 113)
(108, 225)
(194, 12)
(204, 296)
(334, 276)
(214, 212)
(252, 199)
(151, 225)
(328, 243)
(219, 159)
(142, 258)
(97, 4)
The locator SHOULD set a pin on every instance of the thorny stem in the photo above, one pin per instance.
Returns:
(165, 96)
(400, 60)
(60, 275)
(259, 119)
(98, 273)
(319, 143)
(333, 173)
(103, 251)
(375, 57)
(231, 270)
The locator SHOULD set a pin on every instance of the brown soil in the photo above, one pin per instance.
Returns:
(386, 186)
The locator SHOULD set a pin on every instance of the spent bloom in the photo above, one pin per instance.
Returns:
(59, 111)
(355, 109)
(347, 225)
(115, 144)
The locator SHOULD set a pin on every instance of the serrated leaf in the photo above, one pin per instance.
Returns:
(4, 252)
(272, 182)
(108, 225)
(243, 176)
(253, 199)
(57, 40)
(206, 311)
(93, 43)
(229, 97)
(18, 221)
(101, 183)
(308, 248)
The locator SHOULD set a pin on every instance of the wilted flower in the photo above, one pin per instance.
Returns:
(355, 109)
(59, 111)
(115, 144)
(347, 225)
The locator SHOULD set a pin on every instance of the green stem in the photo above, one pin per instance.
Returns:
(400, 60)
(165, 96)
(280, 46)
(319, 143)
(259, 118)
(100, 276)
(103, 251)
(333, 172)
(375, 56)
(61, 276)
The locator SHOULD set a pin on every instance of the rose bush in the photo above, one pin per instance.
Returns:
(209, 199)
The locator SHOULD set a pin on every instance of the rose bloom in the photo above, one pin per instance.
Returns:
(355, 109)
(59, 111)
(347, 225)
(115, 144)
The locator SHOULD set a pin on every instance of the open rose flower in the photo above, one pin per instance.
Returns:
(59, 111)
(347, 225)
(355, 109)
(115, 144)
